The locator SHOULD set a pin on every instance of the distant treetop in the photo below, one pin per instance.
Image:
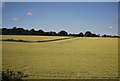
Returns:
(22, 31)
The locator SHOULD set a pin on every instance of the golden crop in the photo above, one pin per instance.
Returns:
(74, 58)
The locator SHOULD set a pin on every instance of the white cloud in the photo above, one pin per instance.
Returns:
(29, 14)
(110, 27)
(15, 19)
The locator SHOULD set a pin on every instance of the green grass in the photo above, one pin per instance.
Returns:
(64, 59)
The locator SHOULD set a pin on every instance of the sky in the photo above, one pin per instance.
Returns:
(73, 17)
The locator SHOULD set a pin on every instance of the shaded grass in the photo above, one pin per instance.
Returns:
(12, 40)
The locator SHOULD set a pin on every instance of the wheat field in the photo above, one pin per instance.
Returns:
(74, 58)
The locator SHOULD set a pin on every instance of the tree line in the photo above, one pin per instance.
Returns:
(22, 31)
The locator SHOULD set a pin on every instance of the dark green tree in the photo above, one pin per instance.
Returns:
(32, 32)
(80, 34)
(14, 28)
(88, 34)
(62, 33)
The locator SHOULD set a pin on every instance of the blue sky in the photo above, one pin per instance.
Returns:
(73, 17)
